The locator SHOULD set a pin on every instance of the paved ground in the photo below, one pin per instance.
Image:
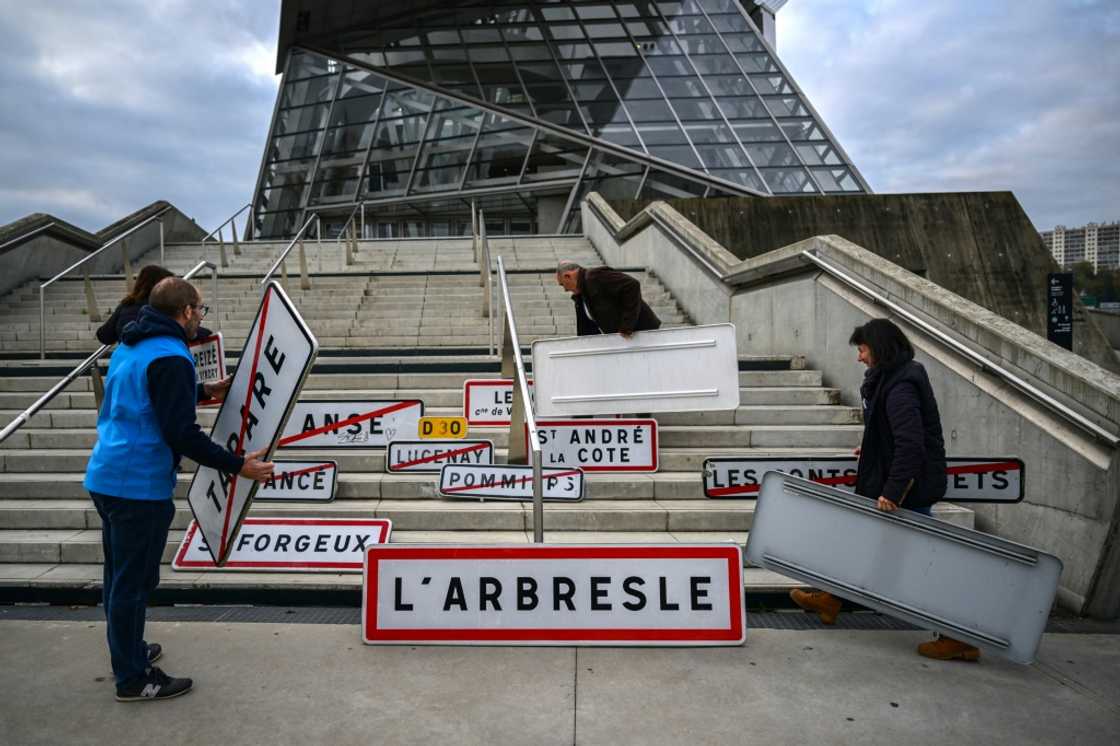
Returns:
(316, 683)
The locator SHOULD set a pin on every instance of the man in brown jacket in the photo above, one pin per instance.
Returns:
(606, 301)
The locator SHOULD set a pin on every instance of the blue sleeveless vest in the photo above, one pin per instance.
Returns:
(131, 458)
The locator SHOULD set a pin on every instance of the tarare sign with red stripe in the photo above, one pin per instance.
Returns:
(509, 482)
(599, 445)
(351, 424)
(305, 481)
(296, 544)
(973, 479)
(431, 455)
(656, 595)
(489, 402)
(271, 370)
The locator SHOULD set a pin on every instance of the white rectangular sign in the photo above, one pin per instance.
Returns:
(972, 479)
(508, 482)
(290, 544)
(271, 370)
(684, 369)
(209, 362)
(554, 595)
(489, 402)
(431, 455)
(599, 445)
(351, 424)
(302, 481)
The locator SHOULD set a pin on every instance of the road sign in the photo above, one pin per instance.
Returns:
(965, 584)
(431, 455)
(271, 370)
(972, 479)
(295, 544)
(684, 369)
(650, 595)
(351, 424)
(442, 428)
(303, 481)
(1059, 308)
(599, 445)
(209, 362)
(509, 482)
(489, 402)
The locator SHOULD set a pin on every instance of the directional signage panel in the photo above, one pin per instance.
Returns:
(209, 362)
(509, 482)
(303, 481)
(972, 479)
(599, 445)
(431, 455)
(684, 369)
(653, 595)
(489, 402)
(289, 544)
(351, 424)
(271, 370)
(965, 584)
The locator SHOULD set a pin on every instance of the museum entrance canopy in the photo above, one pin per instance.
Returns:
(417, 109)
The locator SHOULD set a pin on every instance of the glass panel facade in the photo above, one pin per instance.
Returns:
(528, 106)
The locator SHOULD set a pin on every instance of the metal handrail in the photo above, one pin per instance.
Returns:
(25, 416)
(43, 287)
(964, 350)
(485, 268)
(284, 254)
(338, 239)
(28, 234)
(226, 222)
(530, 419)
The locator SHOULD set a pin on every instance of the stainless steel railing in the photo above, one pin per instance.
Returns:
(221, 239)
(522, 405)
(485, 278)
(25, 416)
(349, 232)
(305, 277)
(43, 287)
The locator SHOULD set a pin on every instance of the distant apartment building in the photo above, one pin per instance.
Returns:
(1096, 243)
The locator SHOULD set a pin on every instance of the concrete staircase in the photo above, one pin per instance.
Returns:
(402, 323)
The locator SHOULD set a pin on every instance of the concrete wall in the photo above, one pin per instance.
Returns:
(781, 304)
(1109, 323)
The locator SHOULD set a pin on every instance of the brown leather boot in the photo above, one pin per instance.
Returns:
(825, 604)
(948, 649)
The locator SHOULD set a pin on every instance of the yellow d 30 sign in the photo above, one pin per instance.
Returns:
(443, 427)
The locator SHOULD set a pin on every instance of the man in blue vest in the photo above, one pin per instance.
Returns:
(146, 424)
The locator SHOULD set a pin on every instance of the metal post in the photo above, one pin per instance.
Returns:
(284, 273)
(233, 237)
(319, 231)
(91, 299)
(538, 500)
(304, 277)
(480, 252)
(474, 230)
(216, 303)
(362, 208)
(128, 279)
(222, 250)
(42, 325)
(348, 239)
(161, 255)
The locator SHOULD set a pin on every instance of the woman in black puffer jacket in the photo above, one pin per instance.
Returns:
(902, 454)
(129, 308)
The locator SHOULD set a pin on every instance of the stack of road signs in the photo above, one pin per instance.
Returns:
(351, 424)
(278, 355)
(972, 479)
(291, 544)
(554, 595)
(971, 586)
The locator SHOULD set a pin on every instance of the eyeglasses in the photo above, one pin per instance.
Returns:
(202, 310)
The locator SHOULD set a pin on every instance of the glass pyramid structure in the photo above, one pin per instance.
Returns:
(525, 107)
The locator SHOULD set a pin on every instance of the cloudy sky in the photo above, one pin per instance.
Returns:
(108, 106)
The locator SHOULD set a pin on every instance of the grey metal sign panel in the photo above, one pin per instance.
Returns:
(684, 369)
(971, 479)
(971, 586)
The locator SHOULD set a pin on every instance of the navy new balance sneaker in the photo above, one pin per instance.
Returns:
(153, 685)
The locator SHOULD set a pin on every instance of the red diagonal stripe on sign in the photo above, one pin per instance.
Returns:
(523, 480)
(301, 472)
(750, 489)
(438, 456)
(347, 422)
(245, 418)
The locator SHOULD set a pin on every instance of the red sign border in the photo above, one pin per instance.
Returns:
(542, 424)
(471, 382)
(735, 634)
(179, 564)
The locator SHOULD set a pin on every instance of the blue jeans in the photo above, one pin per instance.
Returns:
(133, 535)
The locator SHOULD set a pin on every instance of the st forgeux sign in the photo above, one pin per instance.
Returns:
(554, 595)
(271, 370)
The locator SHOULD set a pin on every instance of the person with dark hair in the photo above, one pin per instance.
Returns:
(902, 453)
(129, 308)
(146, 424)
